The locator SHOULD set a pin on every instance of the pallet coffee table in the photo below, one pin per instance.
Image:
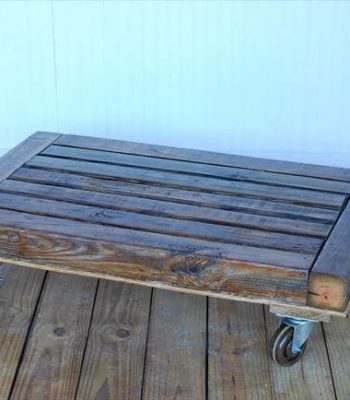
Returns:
(240, 228)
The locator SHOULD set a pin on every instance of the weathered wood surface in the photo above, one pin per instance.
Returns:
(221, 354)
(19, 294)
(197, 182)
(338, 344)
(329, 283)
(176, 349)
(114, 360)
(51, 364)
(160, 209)
(159, 261)
(230, 160)
(158, 224)
(203, 199)
(22, 153)
(237, 352)
(187, 220)
(191, 168)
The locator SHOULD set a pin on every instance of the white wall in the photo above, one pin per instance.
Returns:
(264, 78)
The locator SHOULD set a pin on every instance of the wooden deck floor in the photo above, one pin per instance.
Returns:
(65, 337)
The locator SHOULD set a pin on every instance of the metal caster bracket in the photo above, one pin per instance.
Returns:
(302, 329)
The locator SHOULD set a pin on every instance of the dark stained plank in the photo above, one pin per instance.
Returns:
(156, 260)
(176, 348)
(169, 179)
(204, 199)
(115, 354)
(330, 276)
(169, 209)
(19, 294)
(52, 360)
(207, 157)
(310, 378)
(153, 223)
(338, 344)
(198, 169)
(238, 365)
(22, 153)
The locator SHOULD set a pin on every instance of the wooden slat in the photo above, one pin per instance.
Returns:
(19, 294)
(169, 209)
(338, 344)
(238, 361)
(310, 378)
(114, 359)
(22, 153)
(52, 360)
(153, 259)
(198, 169)
(203, 199)
(329, 284)
(176, 348)
(158, 224)
(207, 157)
(154, 243)
(169, 179)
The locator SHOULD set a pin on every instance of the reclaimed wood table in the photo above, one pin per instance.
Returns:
(240, 228)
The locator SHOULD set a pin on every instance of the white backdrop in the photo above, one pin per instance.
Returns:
(259, 78)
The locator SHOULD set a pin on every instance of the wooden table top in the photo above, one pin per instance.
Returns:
(272, 232)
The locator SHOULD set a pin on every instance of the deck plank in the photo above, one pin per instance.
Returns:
(182, 196)
(310, 378)
(19, 294)
(114, 359)
(208, 157)
(51, 364)
(238, 363)
(176, 361)
(238, 360)
(338, 344)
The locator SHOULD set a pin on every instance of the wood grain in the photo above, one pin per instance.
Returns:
(183, 196)
(159, 224)
(207, 157)
(19, 294)
(51, 365)
(192, 168)
(338, 344)
(311, 313)
(176, 348)
(22, 153)
(167, 209)
(114, 360)
(238, 362)
(207, 184)
(329, 282)
(182, 263)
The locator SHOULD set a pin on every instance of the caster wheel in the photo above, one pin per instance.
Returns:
(281, 347)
